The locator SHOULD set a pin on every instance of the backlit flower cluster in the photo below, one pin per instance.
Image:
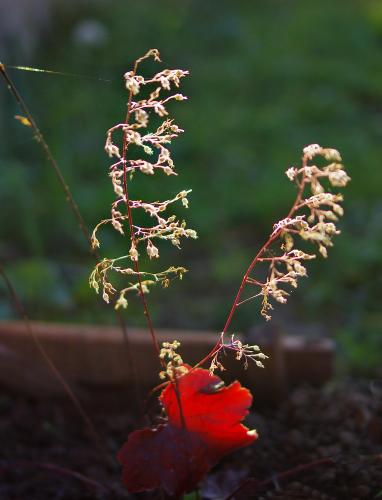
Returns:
(172, 361)
(312, 218)
(242, 352)
(151, 155)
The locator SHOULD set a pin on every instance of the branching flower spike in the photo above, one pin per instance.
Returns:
(312, 218)
(136, 132)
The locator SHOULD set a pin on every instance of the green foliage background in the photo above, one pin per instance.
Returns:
(267, 78)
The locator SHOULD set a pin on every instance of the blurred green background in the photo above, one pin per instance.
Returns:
(267, 78)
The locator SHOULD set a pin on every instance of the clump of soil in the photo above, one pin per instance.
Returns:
(320, 443)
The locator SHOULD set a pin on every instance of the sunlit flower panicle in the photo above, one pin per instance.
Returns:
(312, 218)
(156, 158)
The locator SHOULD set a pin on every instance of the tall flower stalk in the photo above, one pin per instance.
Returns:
(312, 218)
(136, 132)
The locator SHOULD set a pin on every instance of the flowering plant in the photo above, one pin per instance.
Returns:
(203, 417)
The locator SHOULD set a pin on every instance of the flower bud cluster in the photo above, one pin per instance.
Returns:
(242, 351)
(174, 366)
(100, 278)
(156, 157)
(312, 218)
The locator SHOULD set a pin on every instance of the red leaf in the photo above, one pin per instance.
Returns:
(176, 458)
(214, 414)
(168, 457)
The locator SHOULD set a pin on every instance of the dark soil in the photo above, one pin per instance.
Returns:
(334, 433)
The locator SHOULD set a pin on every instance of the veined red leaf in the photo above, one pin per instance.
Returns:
(215, 415)
(176, 458)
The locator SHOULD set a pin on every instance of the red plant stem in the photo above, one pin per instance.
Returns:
(271, 239)
(131, 226)
(175, 383)
(257, 485)
(136, 264)
(256, 259)
(244, 280)
(56, 469)
(237, 298)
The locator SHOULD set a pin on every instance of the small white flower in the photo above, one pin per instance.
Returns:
(339, 178)
(121, 302)
(312, 150)
(133, 82)
(291, 173)
(331, 154)
(105, 296)
(117, 225)
(152, 250)
(111, 149)
(133, 252)
(323, 251)
(146, 168)
(168, 170)
(165, 82)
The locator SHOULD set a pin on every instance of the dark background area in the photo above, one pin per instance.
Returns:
(267, 78)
